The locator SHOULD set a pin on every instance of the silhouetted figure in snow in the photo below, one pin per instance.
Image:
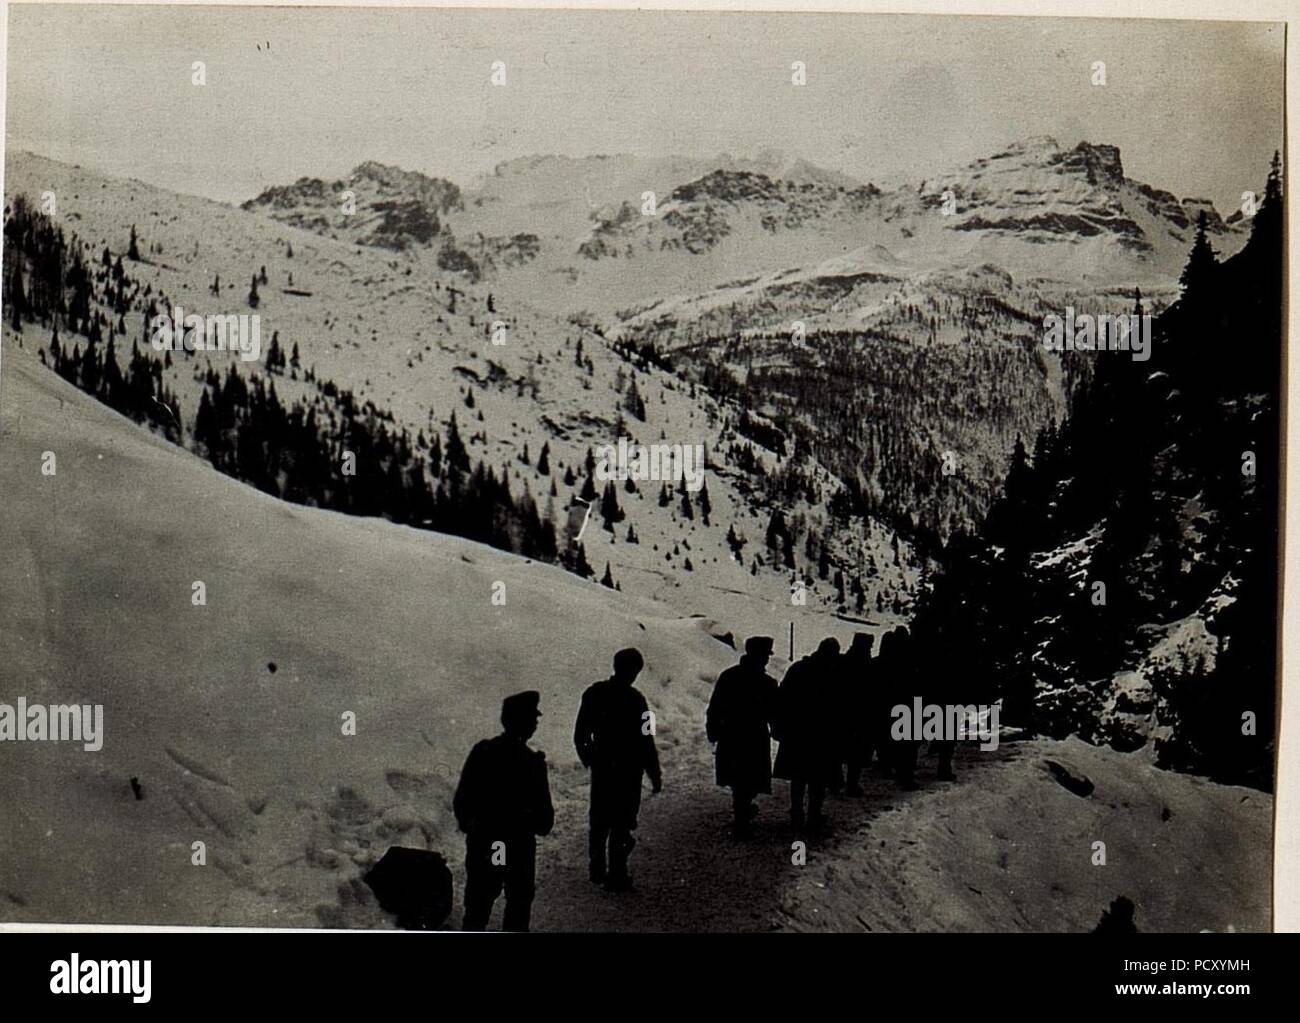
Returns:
(898, 681)
(857, 685)
(502, 804)
(805, 727)
(614, 736)
(943, 682)
(739, 719)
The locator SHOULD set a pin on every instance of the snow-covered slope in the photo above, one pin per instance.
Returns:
(417, 341)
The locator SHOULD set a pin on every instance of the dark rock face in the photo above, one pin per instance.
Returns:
(1160, 203)
(402, 223)
(1195, 207)
(1099, 163)
(436, 193)
(394, 209)
(1088, 224)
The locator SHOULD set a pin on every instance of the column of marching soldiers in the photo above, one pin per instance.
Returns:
(830, 716)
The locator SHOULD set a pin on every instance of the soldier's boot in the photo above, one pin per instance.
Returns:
(852, 788)
(517, 917)
(744, 810)
(816, 796)
(620, 848)
(797, 819)
(519, 907)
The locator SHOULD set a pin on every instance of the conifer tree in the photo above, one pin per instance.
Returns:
(609, 509)
(1267, 226)
(1201, 262)
(455, 455)
(17, 301)
(580, 566)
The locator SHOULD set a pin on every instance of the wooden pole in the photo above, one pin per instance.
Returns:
(792, 642)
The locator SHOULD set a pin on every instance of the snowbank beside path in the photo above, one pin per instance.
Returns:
(1011, 848)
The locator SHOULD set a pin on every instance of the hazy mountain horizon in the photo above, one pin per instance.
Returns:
(413, 89)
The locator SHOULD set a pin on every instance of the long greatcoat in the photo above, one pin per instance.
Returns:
(612, 738)
(738, 719)
(806, 721)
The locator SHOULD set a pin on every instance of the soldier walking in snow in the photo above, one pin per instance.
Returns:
(806, 729)
(899, 685)
(856, 698)
(614, 736)
(502, 804)
(738, 720)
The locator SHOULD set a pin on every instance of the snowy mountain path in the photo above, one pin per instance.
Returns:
(690, 873)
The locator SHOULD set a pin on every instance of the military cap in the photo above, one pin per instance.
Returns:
(521, 705)
(759, 645)
(862, 641)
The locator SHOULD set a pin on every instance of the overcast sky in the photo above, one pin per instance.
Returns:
(1195, 107)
